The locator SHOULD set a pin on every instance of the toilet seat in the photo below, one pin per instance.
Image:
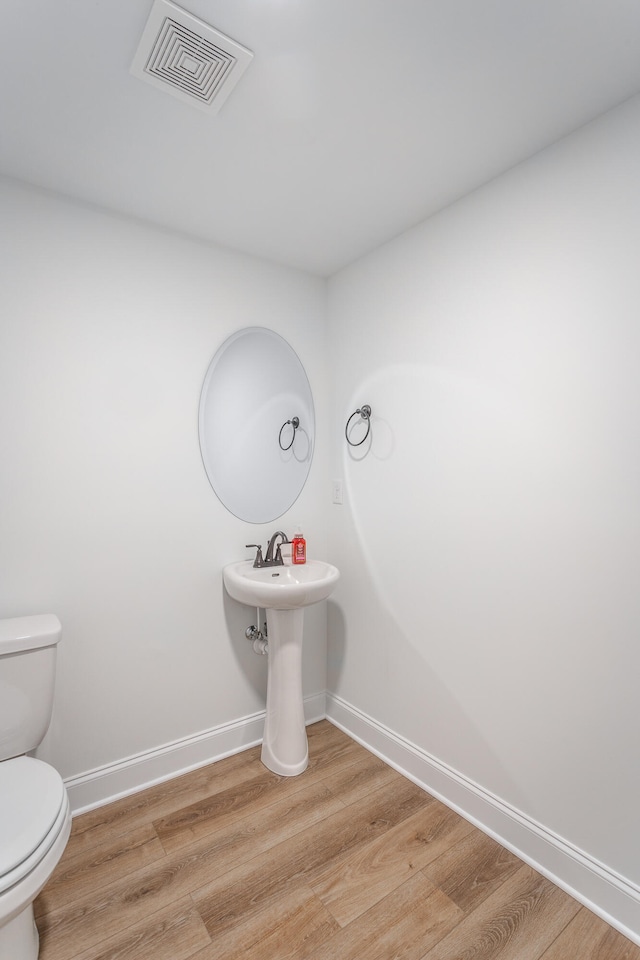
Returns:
(33, 810)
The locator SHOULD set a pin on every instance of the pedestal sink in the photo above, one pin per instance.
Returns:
(284, 592)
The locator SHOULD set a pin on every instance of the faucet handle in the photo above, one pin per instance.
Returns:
(258, 562)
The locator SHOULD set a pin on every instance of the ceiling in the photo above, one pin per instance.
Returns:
(355, 120)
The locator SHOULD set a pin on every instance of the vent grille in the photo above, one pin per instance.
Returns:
(188, 58)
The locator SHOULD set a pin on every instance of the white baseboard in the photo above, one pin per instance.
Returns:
(112, 781)
(598, 887)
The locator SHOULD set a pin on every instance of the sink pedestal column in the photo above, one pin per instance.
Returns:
(284, 748)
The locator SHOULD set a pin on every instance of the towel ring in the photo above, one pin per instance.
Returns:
(365, 413)
(295, 423)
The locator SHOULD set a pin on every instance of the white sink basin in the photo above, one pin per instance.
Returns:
(280, 588)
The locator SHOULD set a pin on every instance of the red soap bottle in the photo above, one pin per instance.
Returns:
(298, 548)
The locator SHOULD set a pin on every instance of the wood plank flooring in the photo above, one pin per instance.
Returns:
(349, 860)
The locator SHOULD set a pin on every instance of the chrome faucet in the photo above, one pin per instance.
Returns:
(269, 559)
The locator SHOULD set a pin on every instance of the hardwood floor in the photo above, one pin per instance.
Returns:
(349, 860)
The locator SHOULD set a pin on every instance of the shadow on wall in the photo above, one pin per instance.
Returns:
(396, 674)
(453, 497)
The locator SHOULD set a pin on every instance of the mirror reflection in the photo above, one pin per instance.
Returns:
(256, 425)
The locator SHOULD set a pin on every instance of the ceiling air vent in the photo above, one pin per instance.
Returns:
(186, 57)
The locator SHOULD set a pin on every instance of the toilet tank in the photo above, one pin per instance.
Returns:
(27, 676)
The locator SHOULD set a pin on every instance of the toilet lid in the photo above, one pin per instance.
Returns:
(31, 796)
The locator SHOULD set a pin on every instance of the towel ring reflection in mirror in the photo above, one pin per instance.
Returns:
(365, 414)
(295, 423)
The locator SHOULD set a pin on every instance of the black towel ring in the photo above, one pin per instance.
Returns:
(295, 423)
(365, 413)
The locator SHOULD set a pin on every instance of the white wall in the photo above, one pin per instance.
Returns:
(489, 610)
(107, 517)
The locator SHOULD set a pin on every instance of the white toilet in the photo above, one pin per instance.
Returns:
(35, 817)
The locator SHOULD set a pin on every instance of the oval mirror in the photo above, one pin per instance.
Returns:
(256, 425)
